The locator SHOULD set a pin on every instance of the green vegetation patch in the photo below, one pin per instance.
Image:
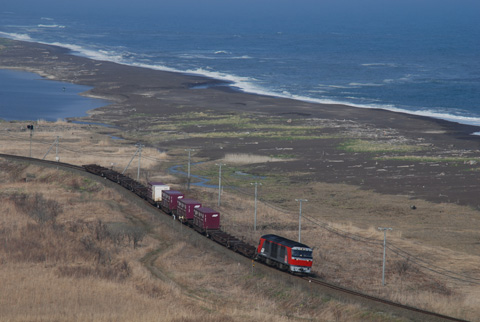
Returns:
(377, 147)
(209, 124)
(4, 43)
(264, 134)
(283, 156)
(235, 175)
(435, 159)
(237, 121)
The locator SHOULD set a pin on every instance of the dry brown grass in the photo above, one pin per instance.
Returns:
(71, 269)
(245, 158)
(345, 212)
(343, 258)
(78, 144)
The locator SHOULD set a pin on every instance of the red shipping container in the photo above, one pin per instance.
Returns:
(170, 199)
(206, 219)
(185, 208)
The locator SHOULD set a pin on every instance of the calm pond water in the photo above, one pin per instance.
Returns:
(27, 96)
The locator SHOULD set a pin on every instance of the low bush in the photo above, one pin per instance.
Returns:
(37, 207)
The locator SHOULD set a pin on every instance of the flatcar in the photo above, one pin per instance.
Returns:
(285, 254)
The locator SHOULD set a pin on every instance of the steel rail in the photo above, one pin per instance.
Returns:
(380, 300)
(50, 163)
(309, 279)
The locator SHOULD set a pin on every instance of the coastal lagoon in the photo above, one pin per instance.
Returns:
(28, 96)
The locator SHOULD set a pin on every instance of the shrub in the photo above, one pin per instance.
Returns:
(37, 207)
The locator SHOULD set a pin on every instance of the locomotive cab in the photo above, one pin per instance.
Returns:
(302, 259)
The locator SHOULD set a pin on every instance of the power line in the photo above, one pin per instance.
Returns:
(396, 250)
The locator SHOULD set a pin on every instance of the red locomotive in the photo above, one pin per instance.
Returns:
(285, 254)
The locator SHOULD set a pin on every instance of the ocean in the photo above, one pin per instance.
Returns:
(420, 57)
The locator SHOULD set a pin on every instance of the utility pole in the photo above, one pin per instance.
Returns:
(140, 146)
(255, 221)
(49, 149)
(384, 247)
(139, 149)
(219, 181)
(56, 150)
(188, 175)
(300, 218)
(30, 127)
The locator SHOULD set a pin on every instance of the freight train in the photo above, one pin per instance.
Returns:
(273, 250)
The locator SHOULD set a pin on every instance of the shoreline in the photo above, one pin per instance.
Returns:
(142, 100)
(228, 85)
(238, 83)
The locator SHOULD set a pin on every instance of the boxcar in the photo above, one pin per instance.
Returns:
(285, 254)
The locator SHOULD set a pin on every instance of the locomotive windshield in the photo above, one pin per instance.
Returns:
(303, 253)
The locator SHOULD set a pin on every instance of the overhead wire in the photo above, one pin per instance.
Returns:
(342, 233)
(415, 260)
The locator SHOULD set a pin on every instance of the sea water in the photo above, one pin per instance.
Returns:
(420, 57)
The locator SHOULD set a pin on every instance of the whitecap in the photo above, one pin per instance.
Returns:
(219, 75)
(364, 84)
(50, 26)
(470, 120)
(16, 36)
(379, 65)
(194, 56)
(405, 79)
(242, 57)
(338, 86)
(157, 67)
(103, 55)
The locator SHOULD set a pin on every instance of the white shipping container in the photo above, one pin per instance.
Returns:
(157, 188)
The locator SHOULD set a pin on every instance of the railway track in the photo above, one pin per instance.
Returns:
(430, 315)
(44, 162)
(412, 312)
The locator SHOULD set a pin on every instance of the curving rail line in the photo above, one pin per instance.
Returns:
(421, 315)
(44, 162)
(431, 315)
